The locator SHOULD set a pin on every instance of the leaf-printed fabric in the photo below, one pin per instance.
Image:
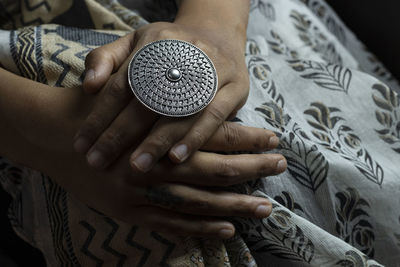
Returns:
(333, 105)
(388, 115)
(328, 76)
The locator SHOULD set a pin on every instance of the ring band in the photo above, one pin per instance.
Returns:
(173, 78)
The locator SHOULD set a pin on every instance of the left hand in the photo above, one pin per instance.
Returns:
(108, 130)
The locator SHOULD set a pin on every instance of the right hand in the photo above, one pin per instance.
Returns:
(118, 119)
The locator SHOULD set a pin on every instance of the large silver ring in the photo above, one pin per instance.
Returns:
(173, 78)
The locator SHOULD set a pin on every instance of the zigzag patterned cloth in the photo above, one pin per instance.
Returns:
(334, 106)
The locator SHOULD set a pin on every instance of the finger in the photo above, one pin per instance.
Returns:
(229, 137)
(130, 126)
(101, 62)
(170, 222)
(210, 169)
(232, 136)
(225, 102)
(164, 134)
(116, 94)
(195, 201)
(113, 99)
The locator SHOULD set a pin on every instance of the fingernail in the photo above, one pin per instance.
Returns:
(281, 166)
(143, 162)
(96, 159)
(90, 75)
(273, 142)
(226, 233)
(263, 211)
(180, 152)
(81, 145)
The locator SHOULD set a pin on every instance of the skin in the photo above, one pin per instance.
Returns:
(184, 199)
(107, 131)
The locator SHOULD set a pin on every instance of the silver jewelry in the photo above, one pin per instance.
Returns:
(173, 78)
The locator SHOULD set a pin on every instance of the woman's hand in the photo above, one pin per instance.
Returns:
(161, 199)
(118, 120)
(188, 199)
(185, 199)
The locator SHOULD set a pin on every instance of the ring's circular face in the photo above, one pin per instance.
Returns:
(173, 78)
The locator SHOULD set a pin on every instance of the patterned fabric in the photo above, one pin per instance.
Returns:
(333, 105)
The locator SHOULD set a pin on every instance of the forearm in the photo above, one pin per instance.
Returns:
(31, 116)
(16, 107)
(227, 14)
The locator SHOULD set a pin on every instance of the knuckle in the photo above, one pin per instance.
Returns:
(226, 172)
(165, 33)
(231, 134)
(203, 170)
(209, 49)
(204, 228)
(117, 89)
(164, 196)
(268, 167)
(260, 142)
(93, 125)
(100, 55)
(202, 204)
(111, 142)
(242, 204)
(216, 114)
(202, 44)
(198, 137)
(93, 55)
(160, 141)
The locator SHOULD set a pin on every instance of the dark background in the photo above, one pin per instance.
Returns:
(375, 22)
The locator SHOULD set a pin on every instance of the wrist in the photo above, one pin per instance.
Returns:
(214, 25)
(66, 110)
(228, 16)
(44, 116)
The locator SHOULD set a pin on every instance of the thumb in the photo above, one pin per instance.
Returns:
(101, 62)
